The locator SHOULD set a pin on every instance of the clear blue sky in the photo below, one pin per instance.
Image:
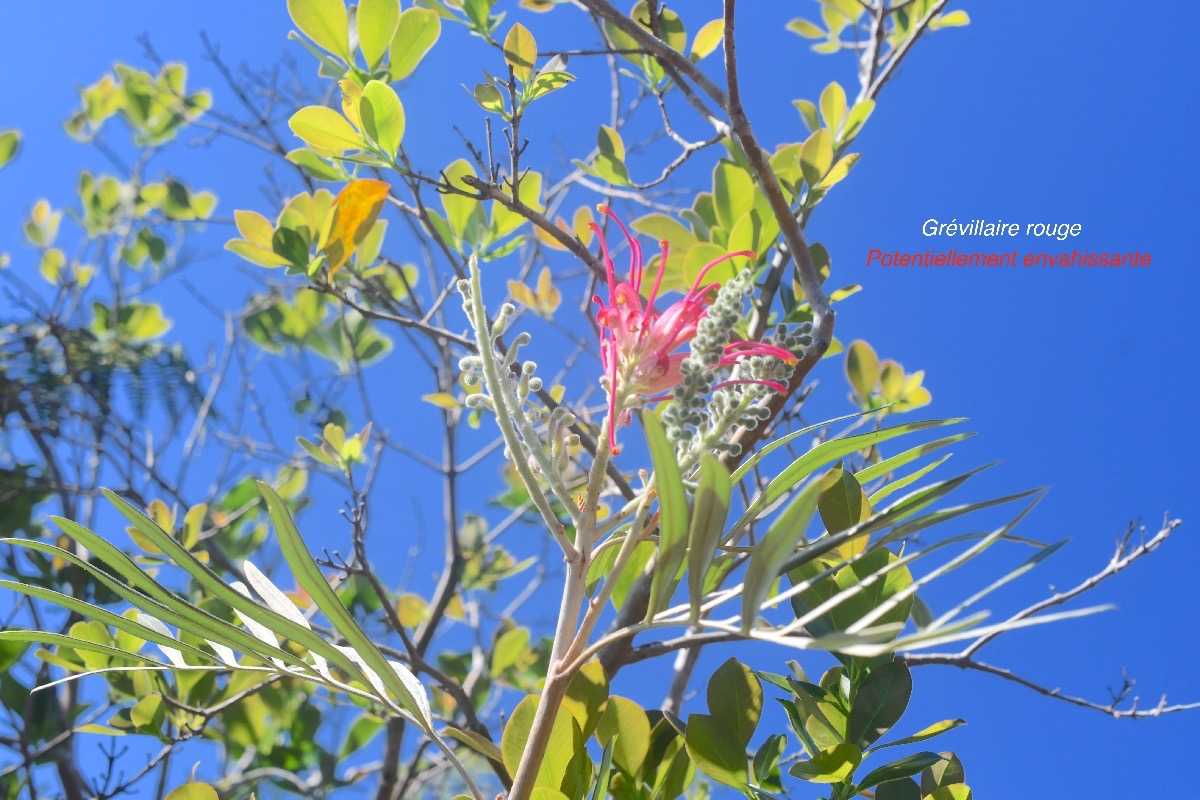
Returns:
(1075, 379)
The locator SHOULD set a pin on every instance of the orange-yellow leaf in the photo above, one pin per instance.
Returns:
(355, 210)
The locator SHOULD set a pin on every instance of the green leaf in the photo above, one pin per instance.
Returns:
(879, 703)
(822, 454)
(673, 523)
(107, 617)
(325, 129)
(832, 765)
(842, 505)
(733, 193)
(315, 166)
(774, 550)
(717, 750)
(945, 770)
(954, 791)
(857, 117)
(458, 208)
(376, 21)
(489, 98)
(402, 683)
(10, 142)
(936, 729)
(417, 32)
(735, 699)
(833, 106)
(908, 456)
(193, 791)
(808, 113)
(897, 770)
(520, 52)
(626, 729)
(604, 774)
(361, 732)
(766, 760)
(816, 156)
(508, 650)
(161, 604)
(325, 22)
(903, 789)
(710, 511)
(290, 245)
(382, 116)
(565, 739)
(587, 696)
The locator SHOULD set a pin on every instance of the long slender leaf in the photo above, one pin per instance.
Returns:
(673, 522)
(874, 471)
(226, 594)
(751, 462)
(107, 617)
(823, 454)
(773, 551)
(182, 615)
(407, 689)
(709, 513)
(62, 640)
(900, 483)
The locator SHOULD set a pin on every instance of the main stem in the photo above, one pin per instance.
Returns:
(558, 678)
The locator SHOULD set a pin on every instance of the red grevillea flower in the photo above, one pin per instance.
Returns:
(640, 345)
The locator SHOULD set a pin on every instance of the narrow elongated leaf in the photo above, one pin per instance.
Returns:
(936, 729)
(107, 617)
(225, 593)
(709, 514)
(160, 603)
(907, 480)
(868, 474)
(310, 578)
(61, 640)
(823, 454)
(673, 521)
(751, 462)
(604, 774)
(777, 547)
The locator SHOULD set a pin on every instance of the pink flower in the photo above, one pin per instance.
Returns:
(639, 345)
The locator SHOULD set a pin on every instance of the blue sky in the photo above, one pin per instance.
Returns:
(1074, 379)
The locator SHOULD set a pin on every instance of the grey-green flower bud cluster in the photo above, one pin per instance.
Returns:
(687, 411)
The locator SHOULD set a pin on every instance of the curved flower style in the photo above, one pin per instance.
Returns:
(640, 346)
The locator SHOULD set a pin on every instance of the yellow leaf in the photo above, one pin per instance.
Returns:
(411, 610)
(441, 400)
(254, 228)
(355, 210)
(582, 229)
(521, 293)
(351, 98)
(548, 295)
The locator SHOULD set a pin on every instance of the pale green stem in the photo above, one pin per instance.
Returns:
(498, 390)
